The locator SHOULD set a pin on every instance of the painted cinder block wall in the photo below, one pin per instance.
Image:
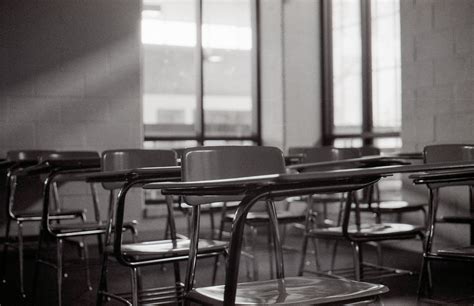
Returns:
(438, 86)
(69, 79)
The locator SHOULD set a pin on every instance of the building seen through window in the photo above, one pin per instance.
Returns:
(197, 86)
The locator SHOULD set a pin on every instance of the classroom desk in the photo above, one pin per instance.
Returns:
(130, 178)
(253, 189)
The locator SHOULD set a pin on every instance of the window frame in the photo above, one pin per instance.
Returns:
(367, 135)
(199, 125)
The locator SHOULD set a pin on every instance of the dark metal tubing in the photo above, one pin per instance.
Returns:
(199, 58)
(326, 73)
(367, 122)
(257, 76)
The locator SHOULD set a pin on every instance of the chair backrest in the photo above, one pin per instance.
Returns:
(27, 155)
(70, 156)
(127, 159)
(369, 151)
(322, 154)
(448, 153)
(222, 162)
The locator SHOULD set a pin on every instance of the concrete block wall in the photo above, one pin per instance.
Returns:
(70, 77)
(438, 87)
(437, 72)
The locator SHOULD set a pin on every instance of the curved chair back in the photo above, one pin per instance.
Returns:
(448, 153)
(369, 151)
(223, 162)
(70, 156)
(27, 155)
(113, 160)
(323, 154)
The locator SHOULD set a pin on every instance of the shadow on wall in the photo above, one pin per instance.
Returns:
(68, 63)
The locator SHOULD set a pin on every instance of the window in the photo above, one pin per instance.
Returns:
(200, 72)
(362, 73)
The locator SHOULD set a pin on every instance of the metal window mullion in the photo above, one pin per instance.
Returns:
(327, 73)
(367, 118)
(199, 116)
(256, 72)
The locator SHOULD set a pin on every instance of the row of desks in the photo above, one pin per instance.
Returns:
(352, 175)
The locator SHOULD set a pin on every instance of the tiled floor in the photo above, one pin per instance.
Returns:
(450, 282)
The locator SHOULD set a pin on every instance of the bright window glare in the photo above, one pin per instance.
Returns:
(183, 34)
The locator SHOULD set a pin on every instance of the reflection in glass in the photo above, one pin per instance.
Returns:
(227, 44)
(386, 67)
(347, 66)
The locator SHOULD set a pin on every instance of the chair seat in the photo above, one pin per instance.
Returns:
(167, 247)
(370, 231)
(467, 252)
(80, 228)
(62, 215)
(393, 206)
(292, 291)
(283, 216)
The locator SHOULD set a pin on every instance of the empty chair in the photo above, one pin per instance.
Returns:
(438, 154)
(233, 162)
(358, 233)
(15, 162)
(140, 254)
(375, 203)
(66, 166)
(324, 154)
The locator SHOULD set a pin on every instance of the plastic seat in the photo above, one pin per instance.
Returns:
(437, 154)
(15, 162)
(139, 254)
(214, 163)
(62, 166)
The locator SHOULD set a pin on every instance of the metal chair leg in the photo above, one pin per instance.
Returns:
(134, 283)
(357, 253)
(21, 258)
(316, 254)
(86, 262)
(304, 249)
(37, 263)
(253, 232)
(102, 280)
(59, 271)
(5, 251)
(333, 256)
(269, 250)
(421, 279)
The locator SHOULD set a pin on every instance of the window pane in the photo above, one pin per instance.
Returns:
(169, 74)
(388, 145)
(347, 66)
(348, 142)
(386, 68)
(164, 145)
(229, 143)
(227, 52)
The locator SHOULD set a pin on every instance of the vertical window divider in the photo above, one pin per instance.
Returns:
(199, 124)
(256, 72)
(327, 72)
(367, 117)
